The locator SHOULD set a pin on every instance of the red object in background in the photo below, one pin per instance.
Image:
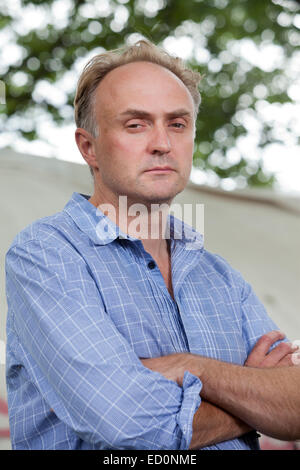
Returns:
(3, 407)
(268, 443)
(4, 433)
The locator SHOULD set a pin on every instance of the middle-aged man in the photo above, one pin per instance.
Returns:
(117, 339)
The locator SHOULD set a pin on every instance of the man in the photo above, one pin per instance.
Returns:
(117, 339)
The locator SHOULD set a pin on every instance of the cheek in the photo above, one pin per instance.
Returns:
(120, 160)
(123, 148)
(185, 152)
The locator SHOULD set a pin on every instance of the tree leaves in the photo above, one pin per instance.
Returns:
(221, 31)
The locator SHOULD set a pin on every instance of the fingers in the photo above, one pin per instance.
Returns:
(287, 361)
(261, 348)
(281, 355)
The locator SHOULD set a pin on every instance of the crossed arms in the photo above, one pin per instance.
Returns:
(89, 378)
(262, 395)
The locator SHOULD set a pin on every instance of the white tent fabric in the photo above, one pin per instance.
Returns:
(258, 232)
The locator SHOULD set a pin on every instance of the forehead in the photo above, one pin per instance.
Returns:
(142, 84)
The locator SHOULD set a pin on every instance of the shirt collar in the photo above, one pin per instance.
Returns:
(102, 231)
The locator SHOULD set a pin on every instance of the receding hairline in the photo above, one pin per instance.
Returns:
(148, 63)
(129, 65)
(142, 51)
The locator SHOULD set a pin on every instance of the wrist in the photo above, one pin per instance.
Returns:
(211, 372)
(188, 362)
(197, 365)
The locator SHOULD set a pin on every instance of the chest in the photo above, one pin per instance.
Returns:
(166, 271)
(198, 317)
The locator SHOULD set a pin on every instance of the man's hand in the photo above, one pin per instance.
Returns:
(280, 356)
(173, 366)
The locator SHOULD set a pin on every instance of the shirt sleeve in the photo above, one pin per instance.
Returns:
(85, 370)
(256, 321)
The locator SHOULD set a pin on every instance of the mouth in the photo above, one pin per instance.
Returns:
(158, 169)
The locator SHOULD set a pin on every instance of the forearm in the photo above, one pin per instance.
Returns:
(266, 399)
(212, 425)
(264, 393)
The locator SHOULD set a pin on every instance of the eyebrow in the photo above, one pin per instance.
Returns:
(139, 113)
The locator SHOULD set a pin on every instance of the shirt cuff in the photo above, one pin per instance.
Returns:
(191, 401)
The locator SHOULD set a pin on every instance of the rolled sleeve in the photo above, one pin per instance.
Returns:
(191, 401)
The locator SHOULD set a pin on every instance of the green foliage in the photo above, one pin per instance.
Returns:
(217, 27)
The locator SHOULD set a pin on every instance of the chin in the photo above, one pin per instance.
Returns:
(157, 193)
(161, 197)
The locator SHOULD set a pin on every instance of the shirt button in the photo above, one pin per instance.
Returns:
(151, 265)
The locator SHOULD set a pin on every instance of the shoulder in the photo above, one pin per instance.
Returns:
(211, 264)
(54, 232)
(215, 264)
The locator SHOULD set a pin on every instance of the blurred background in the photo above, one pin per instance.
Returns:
(247, 154)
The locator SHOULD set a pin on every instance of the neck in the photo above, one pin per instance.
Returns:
(147, 222)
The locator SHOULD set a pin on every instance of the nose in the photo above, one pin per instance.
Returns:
(159, 142)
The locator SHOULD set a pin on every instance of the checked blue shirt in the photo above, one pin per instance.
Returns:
(84, 305)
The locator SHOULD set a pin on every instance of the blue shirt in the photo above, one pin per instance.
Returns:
(84, 305)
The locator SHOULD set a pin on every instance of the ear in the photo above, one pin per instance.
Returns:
(86, 145)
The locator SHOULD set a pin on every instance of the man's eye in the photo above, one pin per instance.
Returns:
(134, 125)
(178, 125)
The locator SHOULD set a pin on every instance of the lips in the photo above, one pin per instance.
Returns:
(161, 168)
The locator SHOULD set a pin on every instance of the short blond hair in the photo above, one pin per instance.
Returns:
(99, 66)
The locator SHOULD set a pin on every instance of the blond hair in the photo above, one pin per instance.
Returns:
(96, 69)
